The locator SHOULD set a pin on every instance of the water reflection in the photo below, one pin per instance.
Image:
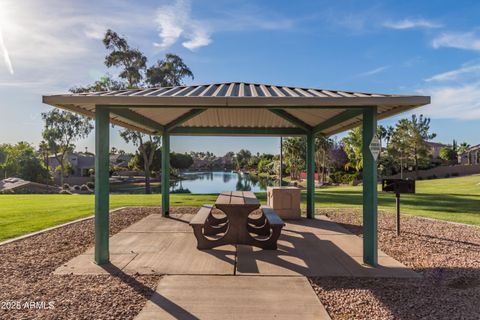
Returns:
(216, 182)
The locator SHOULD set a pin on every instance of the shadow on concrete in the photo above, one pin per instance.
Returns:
(150, 294)
(304, 253)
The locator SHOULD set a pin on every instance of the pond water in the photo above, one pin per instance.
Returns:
(216, 182)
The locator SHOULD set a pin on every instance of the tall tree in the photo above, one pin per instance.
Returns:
(323, 146)
(242, 158)
(410, 139)
(462, 148)
(353, 148)
(62, 129)
(21, 161)
(147, 145)
(132, 62)
(105, 83)
(294, 149)
(168, 72)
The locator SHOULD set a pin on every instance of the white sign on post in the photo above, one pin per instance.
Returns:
(375, 147)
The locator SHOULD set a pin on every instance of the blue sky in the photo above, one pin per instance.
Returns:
(406, 47)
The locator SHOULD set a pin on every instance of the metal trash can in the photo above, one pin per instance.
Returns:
(285, 201)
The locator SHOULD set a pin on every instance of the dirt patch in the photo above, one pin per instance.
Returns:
(446, 254)
(26, 277)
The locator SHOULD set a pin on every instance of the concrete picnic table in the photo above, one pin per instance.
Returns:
(237, 227)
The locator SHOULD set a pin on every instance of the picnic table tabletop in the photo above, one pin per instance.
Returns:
(237, 198)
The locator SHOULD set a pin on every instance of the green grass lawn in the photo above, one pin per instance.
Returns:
(454, 199)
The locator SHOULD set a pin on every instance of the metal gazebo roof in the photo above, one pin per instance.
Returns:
(236, 108)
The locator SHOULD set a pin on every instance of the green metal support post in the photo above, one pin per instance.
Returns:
(310, 175)
(102, 186)
(165, 173)
(369, 189)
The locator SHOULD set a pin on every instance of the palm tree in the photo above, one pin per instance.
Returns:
(294, 152)
(353, 148)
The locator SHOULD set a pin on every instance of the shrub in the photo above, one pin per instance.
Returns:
(455, 174)
(65, 192)
(344, 177)
(91, 185)
(447, 175)
(432, 177)
(7, 191)
(66, 186)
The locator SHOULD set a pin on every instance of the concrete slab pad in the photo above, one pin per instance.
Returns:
(158, 223)
(319, 225)
(181, 256)
(230, 297)
(136, 242)
(84, 264)
(309, 254)
(296, 256)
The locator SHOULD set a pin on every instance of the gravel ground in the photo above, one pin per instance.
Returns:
(26, 268)
(446, 254)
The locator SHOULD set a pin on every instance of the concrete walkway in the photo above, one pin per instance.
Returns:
(235, 282)
(230, 297)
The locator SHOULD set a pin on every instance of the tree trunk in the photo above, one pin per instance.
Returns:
(146, 168)
(62, 172)
(323, 168)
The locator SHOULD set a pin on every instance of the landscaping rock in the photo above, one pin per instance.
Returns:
(26, 268)
(446, 254)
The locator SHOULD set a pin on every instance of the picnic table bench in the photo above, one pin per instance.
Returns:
(237, 227)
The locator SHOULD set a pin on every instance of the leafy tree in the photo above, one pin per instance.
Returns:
(410, 140)
(168, 72)
(132, 62)
(294, 153)
(21, 161)
(462, 148)
(448, 153)
(242, 158)
(106, 83)
(147, 145)
(62, 129)
(353, 148)
(3, 159)
(180, 161)
(322, 148)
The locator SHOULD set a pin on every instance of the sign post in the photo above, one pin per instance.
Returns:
(398, 186)
(375, 147)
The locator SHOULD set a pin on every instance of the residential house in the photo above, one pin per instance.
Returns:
(80, 163)
(120, 160)
(435, 149)
(471, 156)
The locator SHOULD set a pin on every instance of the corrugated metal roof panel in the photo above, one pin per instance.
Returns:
(241, 118)
(236, 105)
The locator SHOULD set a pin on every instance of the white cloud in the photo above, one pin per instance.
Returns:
(455, 94)
(373, 71)
(175, 21)
(456, 74)
(454, 102)
(466, 41)
(411, 24)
